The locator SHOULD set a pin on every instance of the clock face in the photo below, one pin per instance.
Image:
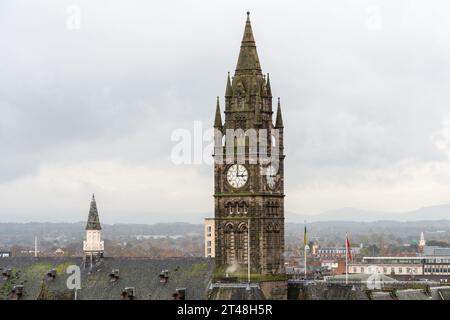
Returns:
(271, 176)
(237, 175)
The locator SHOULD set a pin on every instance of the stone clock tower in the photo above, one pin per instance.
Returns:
(249, 196)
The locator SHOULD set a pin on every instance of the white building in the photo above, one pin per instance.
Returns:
(329, 264)
(434, 262)
(388, 266)
(336, 252)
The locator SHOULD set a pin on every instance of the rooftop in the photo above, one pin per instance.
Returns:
(194, 274)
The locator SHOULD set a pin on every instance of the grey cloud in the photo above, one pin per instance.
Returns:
(354, 100)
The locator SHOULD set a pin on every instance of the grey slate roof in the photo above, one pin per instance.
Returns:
(194, 274)
(235, 292)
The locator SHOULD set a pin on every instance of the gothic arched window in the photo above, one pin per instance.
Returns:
(242, 243)
(230, 243)
(229, 208)
(244, 207)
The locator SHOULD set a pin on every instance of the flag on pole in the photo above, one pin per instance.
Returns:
(349, 248)
(305, 237)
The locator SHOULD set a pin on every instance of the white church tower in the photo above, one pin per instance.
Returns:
(422, 242)
(93, 246)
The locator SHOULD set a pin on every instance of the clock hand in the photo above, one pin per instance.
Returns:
(237, 171)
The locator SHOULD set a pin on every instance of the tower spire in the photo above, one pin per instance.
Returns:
(248, 60)
(218, 118)
(279, 119)
(93, 222)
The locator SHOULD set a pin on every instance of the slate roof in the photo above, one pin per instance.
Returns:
(334, 291)
(194, 274)
(412, 294)
(235, 292)
(324, 291)
(440, 293)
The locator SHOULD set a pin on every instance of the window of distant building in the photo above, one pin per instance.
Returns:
(209, 231)
(400, 270)
(209, 243)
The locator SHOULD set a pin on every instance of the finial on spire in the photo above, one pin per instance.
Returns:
(269, 89)
(218, 117)
(93, 197)
(248, 15)
(228, 90)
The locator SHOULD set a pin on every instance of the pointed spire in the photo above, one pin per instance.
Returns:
(218, 118)
(279, 119)
(269, 89)
(248, 56)
(93, 222)
(228, 91)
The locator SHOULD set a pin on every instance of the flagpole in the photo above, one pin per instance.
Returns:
(305, 259)
(346, 258)
(304, 247)
(248, 253)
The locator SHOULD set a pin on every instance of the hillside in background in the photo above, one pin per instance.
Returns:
(439, 212)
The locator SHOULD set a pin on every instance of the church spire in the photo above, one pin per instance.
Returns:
(228, 91)
(93, 222)
(248, 60)
(279, 119)
(218, 118)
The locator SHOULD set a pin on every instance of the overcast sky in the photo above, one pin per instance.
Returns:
(90, 108)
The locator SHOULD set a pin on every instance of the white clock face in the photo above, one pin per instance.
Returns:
(271, 176)
(237, 175)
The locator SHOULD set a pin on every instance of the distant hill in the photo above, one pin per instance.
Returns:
(439, 212)
(77, 229)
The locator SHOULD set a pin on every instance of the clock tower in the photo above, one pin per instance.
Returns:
(249, 172)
